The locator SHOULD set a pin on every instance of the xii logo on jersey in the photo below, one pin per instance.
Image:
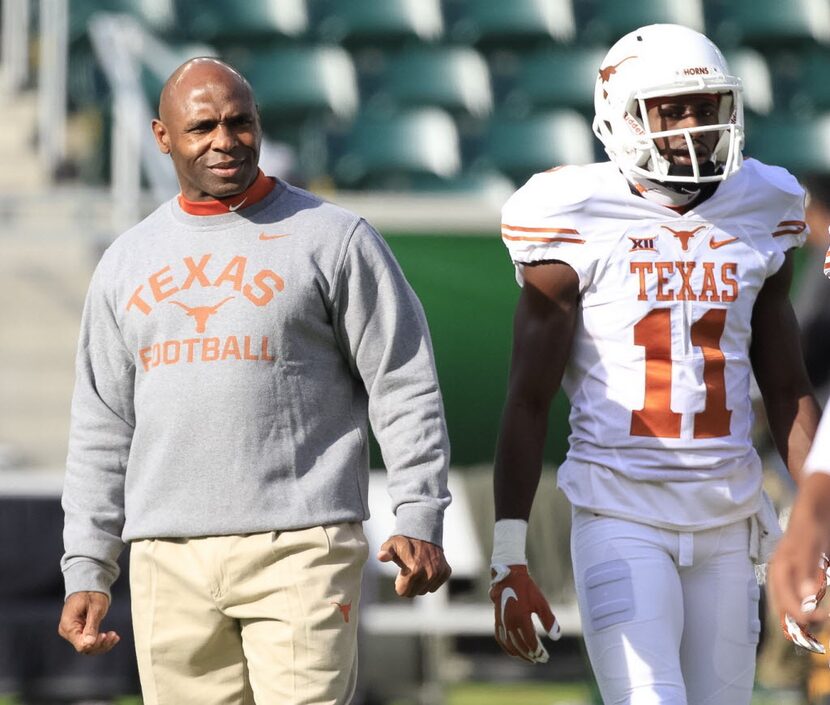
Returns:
(642, 244)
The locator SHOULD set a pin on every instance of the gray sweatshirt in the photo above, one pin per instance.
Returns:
(228, 366)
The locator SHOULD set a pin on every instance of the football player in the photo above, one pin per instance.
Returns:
(654, 286)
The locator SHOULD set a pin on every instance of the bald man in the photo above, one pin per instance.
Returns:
(235, 346)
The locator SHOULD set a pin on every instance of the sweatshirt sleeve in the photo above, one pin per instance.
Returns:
(101, 430)
(384, 332)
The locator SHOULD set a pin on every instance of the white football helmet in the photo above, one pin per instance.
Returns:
(664, 60)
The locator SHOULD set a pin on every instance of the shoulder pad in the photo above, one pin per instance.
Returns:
(549, 194)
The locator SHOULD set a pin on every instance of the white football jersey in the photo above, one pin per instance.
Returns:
(659, 373)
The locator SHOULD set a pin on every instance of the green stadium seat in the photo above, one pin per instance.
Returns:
(803, 147)
(752, 68)
(557, 78)
(801, 81)
(454, 78)
(292, 83)
(522, 147)
(258, 21)
(607, 20)
(384, 151)
(765, 23)
(361, 22)
(82, 10)
(518, 23)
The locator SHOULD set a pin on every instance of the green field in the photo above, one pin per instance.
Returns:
(501, 693)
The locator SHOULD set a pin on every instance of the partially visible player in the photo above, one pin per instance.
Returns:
(792, 572)
(654, 286)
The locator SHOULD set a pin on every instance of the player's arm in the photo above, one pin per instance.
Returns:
(543, 329)
(777, 360)
(542, 335)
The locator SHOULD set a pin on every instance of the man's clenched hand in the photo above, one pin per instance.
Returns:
(80, 622)
(423, 567)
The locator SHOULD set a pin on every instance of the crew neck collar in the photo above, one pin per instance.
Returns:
(262, 186)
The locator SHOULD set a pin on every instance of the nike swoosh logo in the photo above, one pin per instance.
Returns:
(507, 595)
(715, 244)
(263, 236)
(238, 205)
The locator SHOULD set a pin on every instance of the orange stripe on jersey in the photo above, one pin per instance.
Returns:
(790, 227)
(521, 229)
(556, 233)
(525, 238)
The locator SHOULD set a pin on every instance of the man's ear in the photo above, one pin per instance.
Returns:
(162, 136)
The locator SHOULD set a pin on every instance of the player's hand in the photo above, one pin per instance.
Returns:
(792, 570)
(797, 631)
(81, 620)
(516, 597)
(423, 567)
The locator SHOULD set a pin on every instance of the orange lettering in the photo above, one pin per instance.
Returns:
(234, 273)
(210, 349)
(663, 270)
(267, 294)
(231, 348)
(196, 271)
(727, 269)
(641, 268)
(156, 284)
(156, 354)
(656, 418)
(189, 343)
(247, 354)
(146, 357)
(709, 290)
(686, 292)
(171, 358)
(706, 333)
(265, 355)
(136, 300)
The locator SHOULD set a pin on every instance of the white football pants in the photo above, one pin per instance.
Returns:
(669, 618)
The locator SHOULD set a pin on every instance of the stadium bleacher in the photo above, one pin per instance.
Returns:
(460, 71)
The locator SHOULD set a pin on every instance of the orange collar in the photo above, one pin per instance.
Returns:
(262, 186)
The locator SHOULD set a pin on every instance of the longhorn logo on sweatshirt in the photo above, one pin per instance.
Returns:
(184, 279)
(201, 313)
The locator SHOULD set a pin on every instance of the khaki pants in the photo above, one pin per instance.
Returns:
(265, 618)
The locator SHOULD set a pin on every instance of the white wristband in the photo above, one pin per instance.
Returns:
(509, 539)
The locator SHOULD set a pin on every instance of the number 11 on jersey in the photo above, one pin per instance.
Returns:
(656, 419)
